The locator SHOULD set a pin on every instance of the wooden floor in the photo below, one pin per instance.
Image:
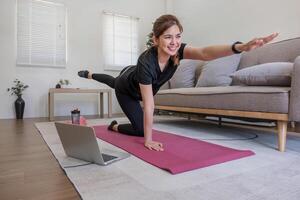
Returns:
(28, 170)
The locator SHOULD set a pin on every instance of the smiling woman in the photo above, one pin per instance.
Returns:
(156, 66)
(169, 27)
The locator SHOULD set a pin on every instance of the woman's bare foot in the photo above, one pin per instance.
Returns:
(115, 128)
(90, 75)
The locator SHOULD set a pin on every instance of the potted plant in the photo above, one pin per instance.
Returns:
(17, 89)
(62, 82)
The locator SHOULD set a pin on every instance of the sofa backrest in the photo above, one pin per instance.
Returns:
(282, 51)
(185, 75)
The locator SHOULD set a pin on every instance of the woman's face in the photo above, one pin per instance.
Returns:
(170, 41)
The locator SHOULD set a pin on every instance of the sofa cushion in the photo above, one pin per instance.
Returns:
(268, 74)
(198, 71)
(242, 98)
(184, 76)
(282, 51)
(165, 86)
(217, 72)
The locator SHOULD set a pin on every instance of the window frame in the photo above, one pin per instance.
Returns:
(133, 54)
(30, 63)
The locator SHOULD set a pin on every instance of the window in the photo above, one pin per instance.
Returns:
(120, 40)
(41, 33)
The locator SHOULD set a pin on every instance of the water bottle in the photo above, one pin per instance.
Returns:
(75, 116)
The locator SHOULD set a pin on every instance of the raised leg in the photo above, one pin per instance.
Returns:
(282, 131)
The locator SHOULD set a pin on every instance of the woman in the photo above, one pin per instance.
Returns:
(156, 66)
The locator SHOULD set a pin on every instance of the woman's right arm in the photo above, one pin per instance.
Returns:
(148, 103)
(217, 51)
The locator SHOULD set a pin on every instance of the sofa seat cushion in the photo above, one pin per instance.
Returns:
(242, 98)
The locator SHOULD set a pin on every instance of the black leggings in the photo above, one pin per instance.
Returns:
(130, 106)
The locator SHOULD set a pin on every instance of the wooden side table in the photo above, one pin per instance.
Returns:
(53, 91)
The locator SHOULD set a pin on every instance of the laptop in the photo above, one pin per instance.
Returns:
(80, 142)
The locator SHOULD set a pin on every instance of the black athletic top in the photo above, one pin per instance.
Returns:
(147, 71)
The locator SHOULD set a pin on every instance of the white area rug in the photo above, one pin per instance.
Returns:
(269, 174)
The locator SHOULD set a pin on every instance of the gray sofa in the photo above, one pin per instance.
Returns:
(230, 97)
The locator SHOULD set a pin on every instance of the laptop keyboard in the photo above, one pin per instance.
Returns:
(107, 157)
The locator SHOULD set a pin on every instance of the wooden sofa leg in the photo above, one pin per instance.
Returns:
(293, 124)
(189, 117)
(219, 121)
(282, 130)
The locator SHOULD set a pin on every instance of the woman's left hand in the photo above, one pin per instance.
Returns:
(153, 145)
(256, 42)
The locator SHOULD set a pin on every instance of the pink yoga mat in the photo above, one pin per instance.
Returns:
(180, 153)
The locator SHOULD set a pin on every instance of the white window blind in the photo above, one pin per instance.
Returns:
(41, 33)
(120, 40)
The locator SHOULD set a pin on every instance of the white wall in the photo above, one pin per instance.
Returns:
(208, 22)
(84, 52)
